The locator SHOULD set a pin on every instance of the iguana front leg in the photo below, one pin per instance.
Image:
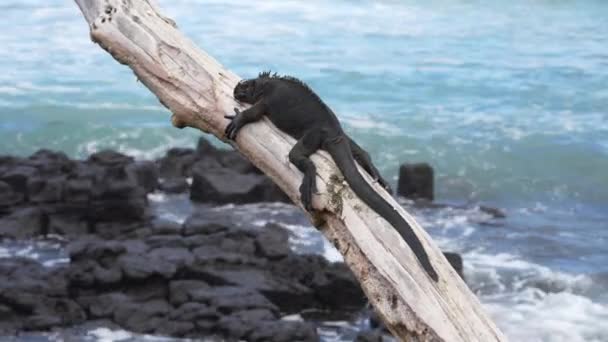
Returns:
(363, 158)
(240, 119)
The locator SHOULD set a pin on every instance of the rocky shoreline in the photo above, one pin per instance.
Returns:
(208, 276)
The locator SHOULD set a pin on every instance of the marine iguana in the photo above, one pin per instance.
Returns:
(296, 110)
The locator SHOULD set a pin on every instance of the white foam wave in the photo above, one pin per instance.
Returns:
(114, 335)
(533, 315)
(368, 123)
(531, 302)
(158, 197)
(107, 105)
(10, 90)
(56, 262)
(5, 253)
(331, 253)
(126, 142)
(108, 335)
(300, 235)
(493, 273)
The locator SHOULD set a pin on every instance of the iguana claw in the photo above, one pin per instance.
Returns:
(234, 126)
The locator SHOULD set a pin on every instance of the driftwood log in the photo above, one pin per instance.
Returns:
(197, 89)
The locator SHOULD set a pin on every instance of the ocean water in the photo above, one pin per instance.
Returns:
(508, 100)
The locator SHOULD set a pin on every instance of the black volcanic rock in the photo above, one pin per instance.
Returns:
(456, 261)
(8, 197)
(272, 242)
(146, 173)
(17, 177)
(225, 185)
(110, 158)
(23, 223)
(174, 185)
(416, 181)
(177, 163)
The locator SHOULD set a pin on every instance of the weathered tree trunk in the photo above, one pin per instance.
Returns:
(198, 90)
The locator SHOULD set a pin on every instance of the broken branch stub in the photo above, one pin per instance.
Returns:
(198, 91)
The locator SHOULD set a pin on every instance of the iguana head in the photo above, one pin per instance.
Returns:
(245, 91)
(250, 91)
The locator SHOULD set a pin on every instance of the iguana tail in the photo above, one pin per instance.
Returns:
(340, 151)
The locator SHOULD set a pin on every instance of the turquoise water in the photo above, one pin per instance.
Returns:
(508, 101)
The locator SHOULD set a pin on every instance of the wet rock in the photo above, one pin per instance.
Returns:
(284, 331)
(78, 190)
(95, 249)
(150, 289)
(333, 285)
(133, 208)
(7, 162)
(289, 295)
(172, 240)
(5, 311)
(117, 182)
(146, 173)
(180, 291)
(207, 222)
(23, 224)
(116, 229)
(51, 162)
(206, 256)
(205, 149)
(67, 225)
(241, 324)
(176, 185)
(174, 328)
(272, 242)
(494, 212)
(456, 261)
(104, 305)
(224, 185)
(161, 226)
(180, 257)
(106, 276)
(375, 322)
(272, 193)
(416, 181)
(8, 197)
(336, 287)
(227, 299)
(142, 317)
(202, 314)
(207, 276)
(66, 310)
(17, 177)
(36, 296)
(110, 158)
(140, 267)
(234, 161)
(370, 336)
(177, 163)
(206, 164)
(45, 190)
(255, 315)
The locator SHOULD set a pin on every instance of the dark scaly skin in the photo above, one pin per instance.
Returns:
(296, 110)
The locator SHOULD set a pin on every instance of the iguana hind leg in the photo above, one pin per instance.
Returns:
(363, 158)
(300, 157)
